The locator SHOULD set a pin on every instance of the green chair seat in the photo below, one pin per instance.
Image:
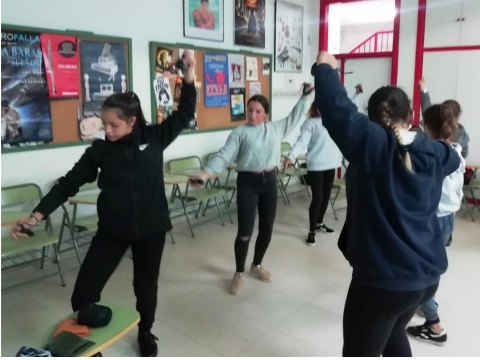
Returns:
(339, 183)
(41, 238)
(124, 320)
(204, 194)
(296, 172)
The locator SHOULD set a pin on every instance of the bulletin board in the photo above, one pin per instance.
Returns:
(66, 112)
(210, 116)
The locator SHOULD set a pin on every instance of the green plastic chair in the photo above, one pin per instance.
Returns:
(23, 195)
(227, 185)
(288, 174)
(193, 165)
(124, 320)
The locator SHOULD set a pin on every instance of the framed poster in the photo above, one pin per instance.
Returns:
(288, 37)
(203, 19)
(250, 23)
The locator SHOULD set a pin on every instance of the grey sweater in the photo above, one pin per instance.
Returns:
(257, 147)
(462, 138)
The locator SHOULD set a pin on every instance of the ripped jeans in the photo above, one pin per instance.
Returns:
(255, 190)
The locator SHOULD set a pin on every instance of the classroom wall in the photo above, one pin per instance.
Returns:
(143, 21)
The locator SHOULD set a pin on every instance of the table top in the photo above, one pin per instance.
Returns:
(84, 199)
(190, 173)
(173, 179)
(10, 218)
(232, 167)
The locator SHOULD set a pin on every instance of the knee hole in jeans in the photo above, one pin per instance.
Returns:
(244, 238)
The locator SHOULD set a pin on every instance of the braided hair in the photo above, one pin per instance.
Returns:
(389, 106)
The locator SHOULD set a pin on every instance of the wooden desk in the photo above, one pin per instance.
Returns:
(10, 218)
(84, 199)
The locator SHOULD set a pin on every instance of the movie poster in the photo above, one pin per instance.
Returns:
(60, 54)
(237, 104)
(104, 71)
(236, 71)
(252, 68)
(26, 118)
(163, 91)
(216, 77)
(250, 23)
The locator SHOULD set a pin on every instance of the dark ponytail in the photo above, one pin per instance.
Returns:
(440, 121)
(126, 106)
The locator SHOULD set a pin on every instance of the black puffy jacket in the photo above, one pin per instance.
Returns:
(132, 203)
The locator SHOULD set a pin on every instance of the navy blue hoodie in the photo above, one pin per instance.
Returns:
(391, 235)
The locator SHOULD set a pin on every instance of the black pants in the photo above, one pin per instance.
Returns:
(375, 320)
(321, 183)
(101, 260)
(255, 190)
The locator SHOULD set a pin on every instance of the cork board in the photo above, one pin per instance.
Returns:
(208, 118)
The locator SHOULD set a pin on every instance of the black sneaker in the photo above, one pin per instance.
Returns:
(148, 345)
(449, 241)
(310, 239)
(324, 229)
(426, 334)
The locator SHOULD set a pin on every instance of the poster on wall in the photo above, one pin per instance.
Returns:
(203, 19)
(250, 23)
(26, 118)
(266, 66)
(163, 91)
(60, 54)
(178, 89)
(216, 77)
(237, 104)
(104, 71)
(236, 71)
(288, 37)
(252, 68)
(164, 64)
(90, 125)
(255, 88)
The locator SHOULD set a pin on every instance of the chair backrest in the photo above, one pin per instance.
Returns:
(19, 194)
(190, 163)
(285, 146)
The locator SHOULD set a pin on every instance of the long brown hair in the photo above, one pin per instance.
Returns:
(313, 112)
(440, 121)
(388, 106)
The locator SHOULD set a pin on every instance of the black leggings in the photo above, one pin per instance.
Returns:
(102, 259)
(321, 183)
(375, 320)
(255, 190)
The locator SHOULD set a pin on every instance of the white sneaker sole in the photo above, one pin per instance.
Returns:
(431, 342)
(310, 244)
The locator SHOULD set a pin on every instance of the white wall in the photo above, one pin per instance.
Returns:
(353, 35)
(143, 21)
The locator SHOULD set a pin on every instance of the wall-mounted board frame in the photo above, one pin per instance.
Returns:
(65, 111)
(235, 65)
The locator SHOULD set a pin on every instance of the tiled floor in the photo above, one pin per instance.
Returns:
(299, 314)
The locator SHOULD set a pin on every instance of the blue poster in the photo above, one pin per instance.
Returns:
(26, 119)
(216, 80)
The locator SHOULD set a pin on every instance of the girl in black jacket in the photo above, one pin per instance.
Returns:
(132, 206)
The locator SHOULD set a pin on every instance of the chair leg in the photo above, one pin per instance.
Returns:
(333, 209)
(219, 211)
(228, 210)
(231, 197)
(198, 210)
(171, 236)
(42, 262)
(469, 210)
(281, 191)
(206, 207)
(285, 190)
(57, 256)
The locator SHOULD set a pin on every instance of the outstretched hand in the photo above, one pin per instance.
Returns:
(287, 164)
(23, 227)
(422, 84)
(307, 88)
(190, 61)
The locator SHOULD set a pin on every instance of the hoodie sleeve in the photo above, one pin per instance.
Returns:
(356, 136)
(285, 126)
(425, 101)
(302, 141)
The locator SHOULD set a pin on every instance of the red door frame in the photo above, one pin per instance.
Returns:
(323, 39)
(420, 53)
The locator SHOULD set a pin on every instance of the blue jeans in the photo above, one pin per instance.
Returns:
(430, 307)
